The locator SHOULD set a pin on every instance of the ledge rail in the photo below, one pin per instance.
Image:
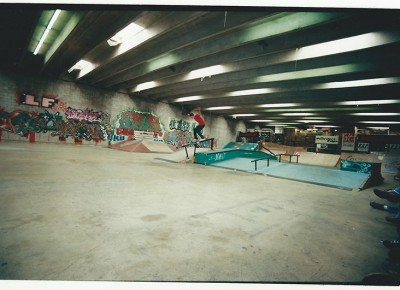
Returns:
(195, 144)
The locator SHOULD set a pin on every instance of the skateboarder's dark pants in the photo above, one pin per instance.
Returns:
(198, 131)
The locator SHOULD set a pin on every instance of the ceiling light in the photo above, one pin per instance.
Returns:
(187, 99)
(145, 86)
(282, 105)
(380, 122)
(326, 126)
(315, 72)
(129, 31)
(47, 30)
(220, 108)
(358, 83)
(370, 102)
(260, 121)
(250, 92)
(297, 114)
(244, 115)
(353, 43)
(281, 124)
(311, 121)
(379, 128)
(80, 65)
(376, 114)
(206, 72)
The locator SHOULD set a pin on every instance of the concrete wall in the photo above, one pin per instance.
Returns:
(82, 97)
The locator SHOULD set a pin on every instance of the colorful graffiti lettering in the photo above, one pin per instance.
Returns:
(31, 100)
(177, 138)
(22, 122)
(141, 121)
(137, 125)
(87, 115)
(120, 131)
(181, 125)
(80, 129)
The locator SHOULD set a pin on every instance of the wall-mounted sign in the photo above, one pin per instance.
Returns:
(363, 147)
(348, 141)
(320, 139)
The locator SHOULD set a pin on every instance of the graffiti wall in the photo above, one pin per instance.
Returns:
(180, 132)
(22, 122)
(133, 124)
(57, 120)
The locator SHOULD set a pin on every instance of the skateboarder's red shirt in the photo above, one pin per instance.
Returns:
(199, 119)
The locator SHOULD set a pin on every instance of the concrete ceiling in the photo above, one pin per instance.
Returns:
(296, 67)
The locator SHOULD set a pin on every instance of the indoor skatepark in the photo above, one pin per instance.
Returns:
(101, 181)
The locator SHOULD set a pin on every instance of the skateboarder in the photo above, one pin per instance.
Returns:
(200, 124)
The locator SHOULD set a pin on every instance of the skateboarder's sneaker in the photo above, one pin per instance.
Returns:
(392, 219)
(388, 195)
(393, 245)
(376, 205)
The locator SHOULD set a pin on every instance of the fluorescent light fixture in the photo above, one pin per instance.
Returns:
(206, 72)
(380, 122)
(145, 86)
(250, 92)
(358, 83)
(353, 43)
(370, 102)
(244, 115)
(315, 72)
(220, 108)
(379, 128)
(311, 121)
(282, 124)
(187, 99)
(261, 121)
(47, 30)
(376, 114)
(281, 105)
(80, 65)
(326, 126)
(124, 34)
(297, 114)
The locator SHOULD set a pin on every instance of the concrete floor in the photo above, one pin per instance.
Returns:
(73, 212)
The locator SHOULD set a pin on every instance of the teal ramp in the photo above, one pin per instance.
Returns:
(211, 157)
(242, 146)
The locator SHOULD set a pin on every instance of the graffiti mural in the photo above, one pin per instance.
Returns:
(133, 124)
(181, 132)
(22, 122)
(87, 115)
(178, 138)
(141, 121)
(181, 125)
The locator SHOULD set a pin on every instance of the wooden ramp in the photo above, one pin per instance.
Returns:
(144, 146)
